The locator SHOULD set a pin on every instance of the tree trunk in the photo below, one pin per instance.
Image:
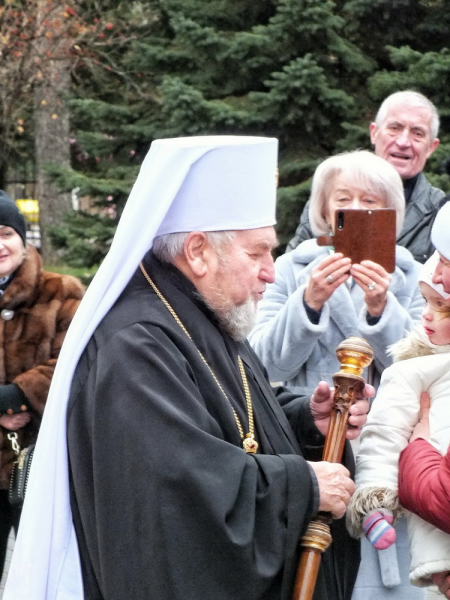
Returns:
(52, 146)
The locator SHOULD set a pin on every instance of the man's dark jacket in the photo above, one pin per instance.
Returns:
(166, 504)
(415, 235)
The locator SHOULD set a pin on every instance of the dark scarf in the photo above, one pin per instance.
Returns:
(408, 187)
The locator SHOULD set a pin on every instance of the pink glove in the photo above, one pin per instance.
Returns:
(377, 528)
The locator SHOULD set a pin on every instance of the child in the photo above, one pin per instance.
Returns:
(422, 364)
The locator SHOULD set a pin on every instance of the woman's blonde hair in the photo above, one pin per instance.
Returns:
(364, 170)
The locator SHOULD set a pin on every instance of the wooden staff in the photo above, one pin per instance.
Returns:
(354, 354)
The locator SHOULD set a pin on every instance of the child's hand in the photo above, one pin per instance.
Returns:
(422, 429)
(14, 422)
(378, 529)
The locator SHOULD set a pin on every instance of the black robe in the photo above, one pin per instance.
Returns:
(166, 503)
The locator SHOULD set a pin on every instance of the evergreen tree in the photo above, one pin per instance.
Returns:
(277, 68)
(375, 25)
(41, 42)
(310, 72)
(409, 40)
(428, 73)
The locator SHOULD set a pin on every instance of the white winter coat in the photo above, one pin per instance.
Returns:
(299, 353)
(422, 367)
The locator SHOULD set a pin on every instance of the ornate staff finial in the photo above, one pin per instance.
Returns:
(354, 354)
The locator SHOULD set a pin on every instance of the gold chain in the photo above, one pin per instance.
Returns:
(248, 441)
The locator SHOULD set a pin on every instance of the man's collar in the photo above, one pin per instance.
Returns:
(408, 186)
(167, 273)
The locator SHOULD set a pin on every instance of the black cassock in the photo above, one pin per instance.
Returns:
(166, 504)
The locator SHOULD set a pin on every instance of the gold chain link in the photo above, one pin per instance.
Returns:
(250, 445)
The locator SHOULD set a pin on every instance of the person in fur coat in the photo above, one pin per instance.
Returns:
(36, 308)
(318, 299)
(421, 365)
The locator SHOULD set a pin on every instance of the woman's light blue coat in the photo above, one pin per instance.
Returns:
(299, 353)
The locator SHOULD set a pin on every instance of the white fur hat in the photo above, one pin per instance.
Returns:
(427, 272)
(440, 233)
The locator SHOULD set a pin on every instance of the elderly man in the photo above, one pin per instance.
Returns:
(189, 476)
(405, 134)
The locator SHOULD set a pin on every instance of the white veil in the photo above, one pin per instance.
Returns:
(45, 563)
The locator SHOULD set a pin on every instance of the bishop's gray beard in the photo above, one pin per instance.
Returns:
(237, 321)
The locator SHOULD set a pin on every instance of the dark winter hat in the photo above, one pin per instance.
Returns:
(11, 216)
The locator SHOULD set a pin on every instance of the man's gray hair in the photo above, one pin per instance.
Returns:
(364, 170)
(168, 247)
(411, 99)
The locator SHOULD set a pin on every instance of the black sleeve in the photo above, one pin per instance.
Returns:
(311, 440)
(372, 320)
(298, 412)
(150, 467)
(313, 315)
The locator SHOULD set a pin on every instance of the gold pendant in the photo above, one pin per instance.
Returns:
(250, 444)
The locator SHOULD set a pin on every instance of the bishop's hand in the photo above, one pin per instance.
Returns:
(322, 401)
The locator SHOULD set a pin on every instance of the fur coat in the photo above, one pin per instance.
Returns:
(300, 353)
(43, 305)
(421, 367)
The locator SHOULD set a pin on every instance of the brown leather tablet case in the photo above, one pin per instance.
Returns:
(364, 235)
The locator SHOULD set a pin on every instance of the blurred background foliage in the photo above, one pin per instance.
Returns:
(311, 73)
